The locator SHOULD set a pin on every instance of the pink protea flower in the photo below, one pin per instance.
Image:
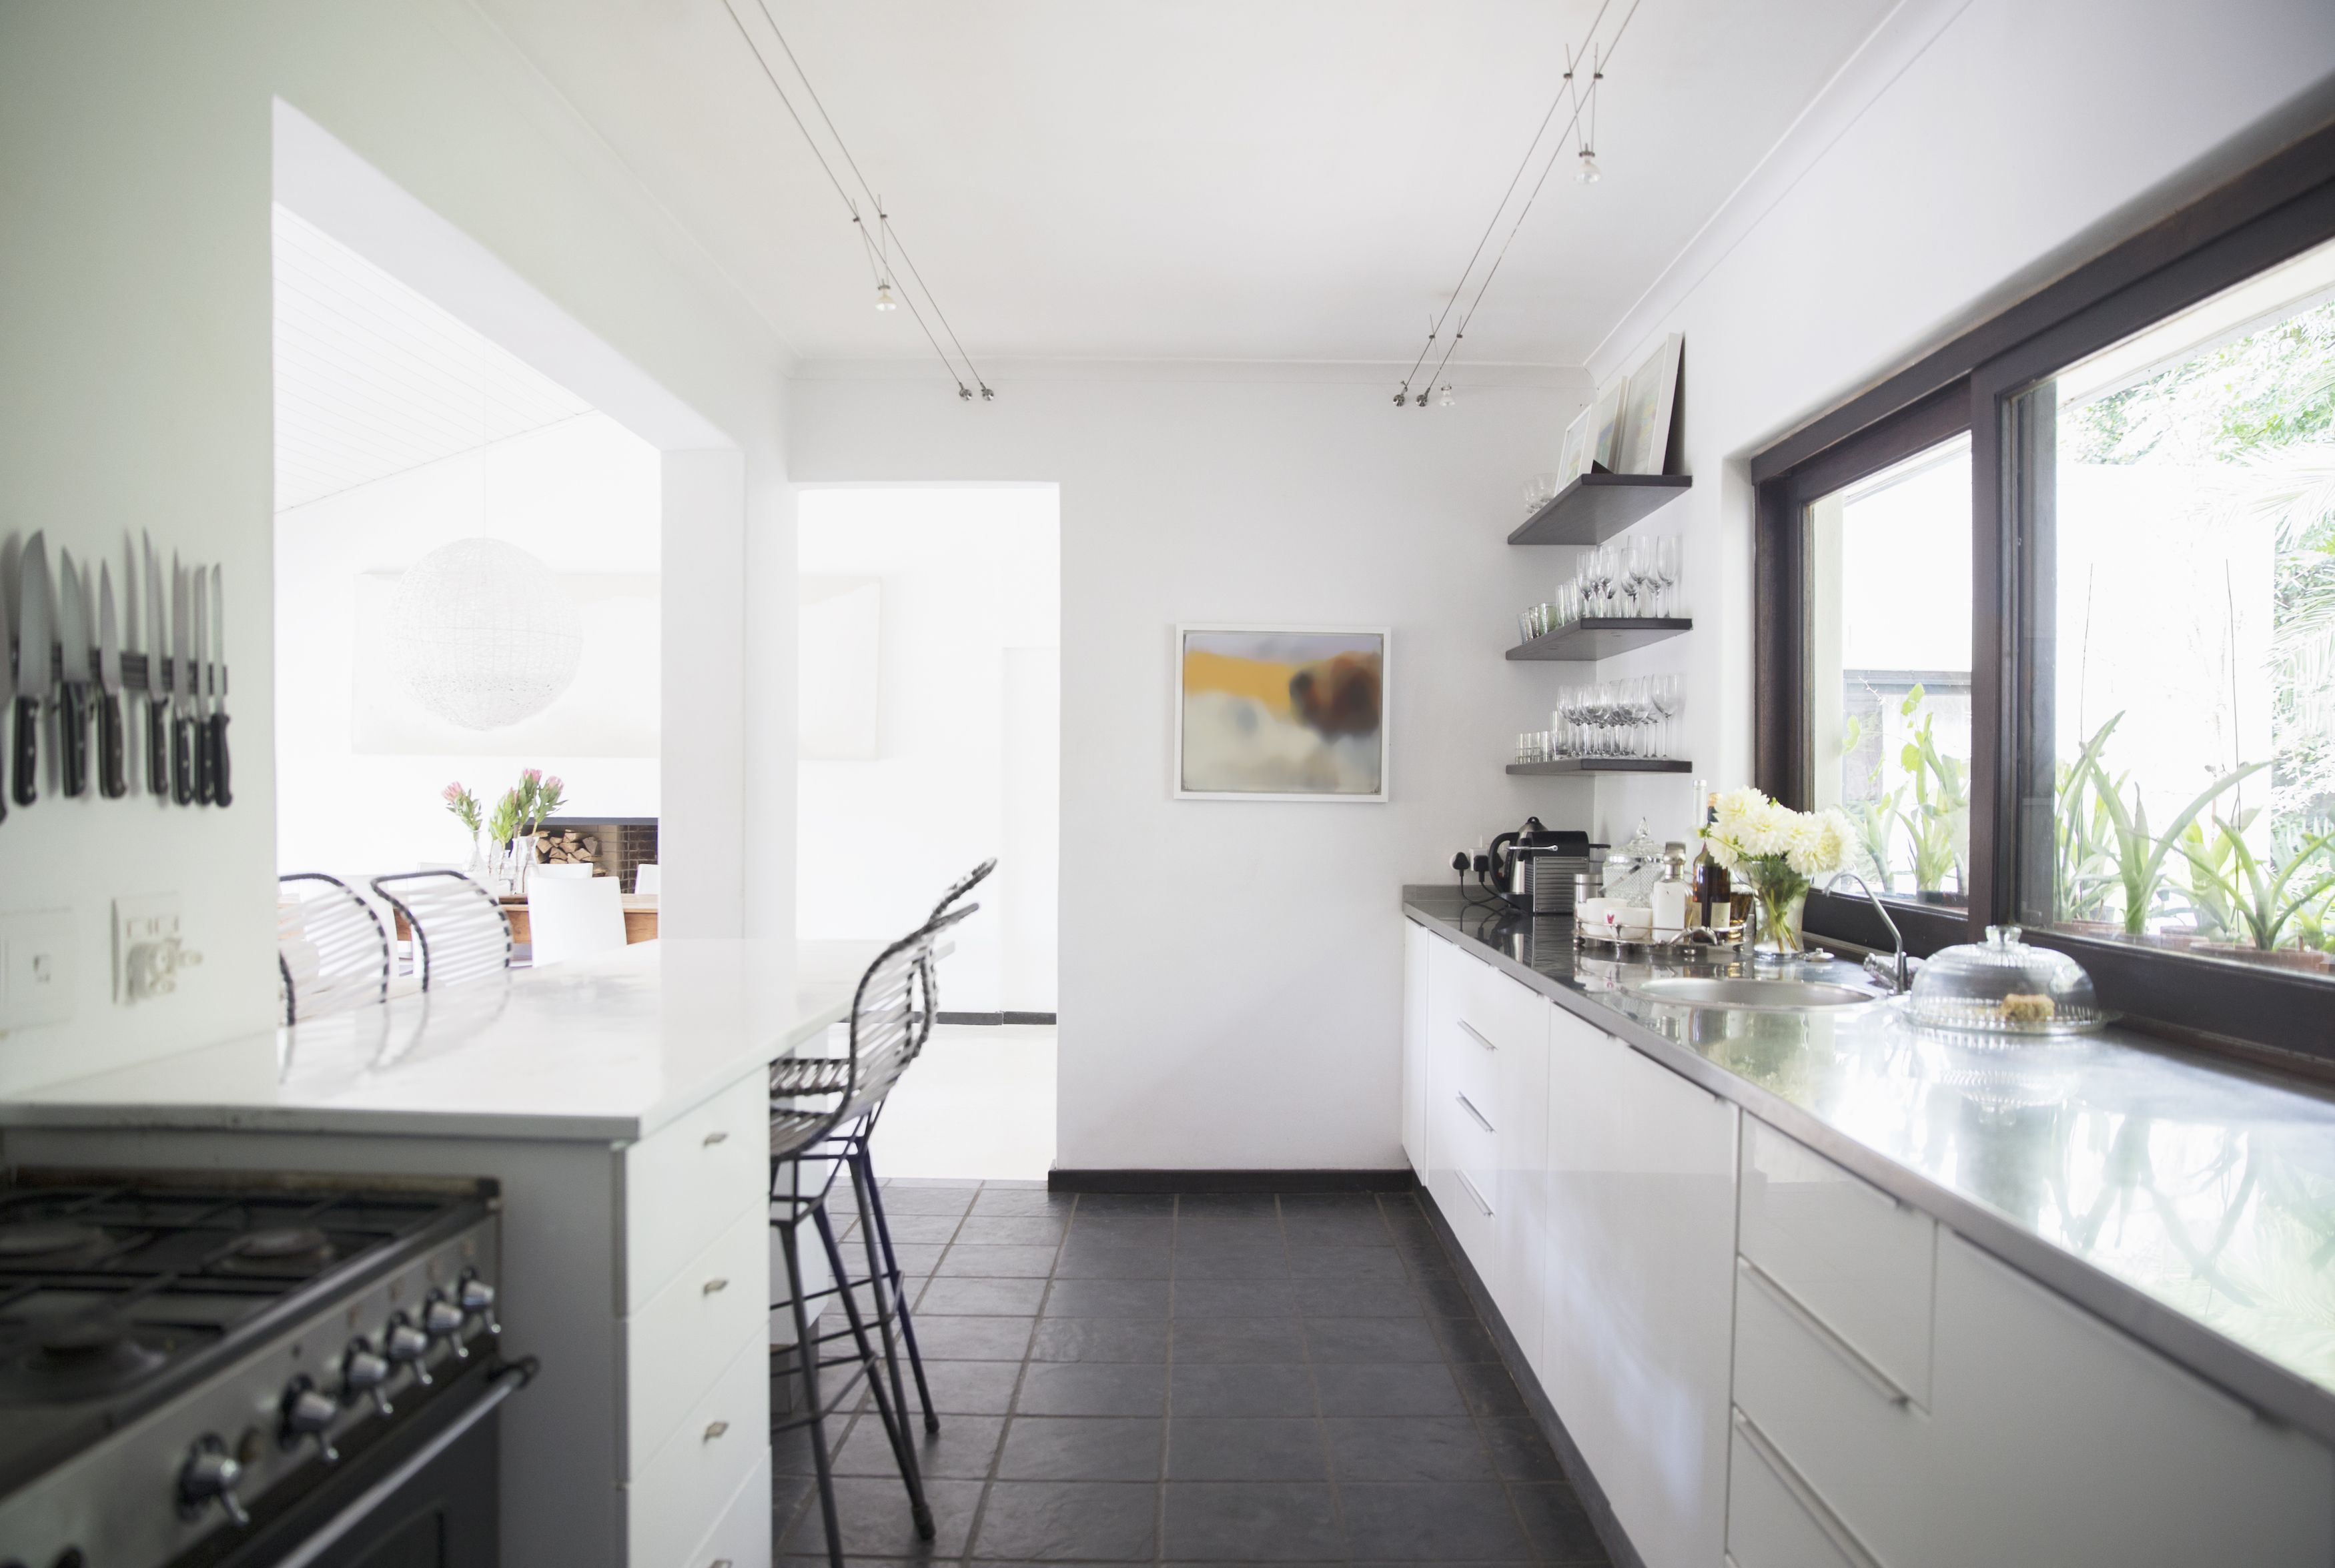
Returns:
(452, 792)
(532, 775)
(553, 784)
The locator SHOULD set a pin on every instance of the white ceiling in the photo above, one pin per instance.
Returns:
(1299, 180)
(372, 379)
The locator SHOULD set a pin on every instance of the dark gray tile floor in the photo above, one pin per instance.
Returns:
(1202, 1379)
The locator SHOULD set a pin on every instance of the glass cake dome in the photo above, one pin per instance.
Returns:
(2003, 986)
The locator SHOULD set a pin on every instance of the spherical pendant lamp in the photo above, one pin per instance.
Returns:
(484, 634)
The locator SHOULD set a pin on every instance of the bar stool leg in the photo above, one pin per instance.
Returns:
(903, 1449)
(889, 1300)
(872, 1205)
(806, 1363)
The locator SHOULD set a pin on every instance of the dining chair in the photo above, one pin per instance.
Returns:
(648, 878)
(332, 952)
(571, 917)
(459, 932)
(557, 869)
(819, 1105)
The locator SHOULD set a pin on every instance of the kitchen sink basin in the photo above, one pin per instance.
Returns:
(1750, 991)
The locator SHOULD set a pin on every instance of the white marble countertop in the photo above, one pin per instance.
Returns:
(609, 1048)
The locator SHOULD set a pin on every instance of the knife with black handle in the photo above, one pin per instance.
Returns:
(112, 771)
(35, 669)
(182, 693)
(158, 689)
(220, 794)
(72, 678)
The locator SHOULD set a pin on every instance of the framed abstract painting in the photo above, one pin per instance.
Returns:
(1281, 712)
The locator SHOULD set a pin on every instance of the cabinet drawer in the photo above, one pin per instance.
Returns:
(2084, 1446)
(741, 1538)
(1475, 1145)
(1835, 1420)
(684, 1183)
(691, 1480)
(1505, 1013)
(1772, 1519)
(1467, 1208)
(676, 1344)
(1848, 1253)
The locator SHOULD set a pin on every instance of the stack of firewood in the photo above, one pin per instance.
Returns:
(571, 848)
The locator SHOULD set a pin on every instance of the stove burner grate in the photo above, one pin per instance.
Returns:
(48, 1240)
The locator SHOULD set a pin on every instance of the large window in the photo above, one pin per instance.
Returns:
(2050, 615)
(2179, 494)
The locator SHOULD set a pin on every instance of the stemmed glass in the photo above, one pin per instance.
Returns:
(1667, 693)
(1666, 570)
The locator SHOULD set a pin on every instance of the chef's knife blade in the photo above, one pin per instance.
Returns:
(182, 691)
(220, 793)
(72, 676)
(35, 671)
(202, 674)
(113, 777)
(158, 741)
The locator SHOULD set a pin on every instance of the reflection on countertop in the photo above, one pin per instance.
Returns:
(2206, 1187)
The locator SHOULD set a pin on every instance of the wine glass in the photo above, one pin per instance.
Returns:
(1667, 553)
(1668, 693)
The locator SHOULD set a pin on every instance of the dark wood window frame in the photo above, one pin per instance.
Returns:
(2281, 208)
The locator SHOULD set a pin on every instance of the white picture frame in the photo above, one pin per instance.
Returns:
(1284, 643)
(1603, 448)
(1572, 460)
(1652, 394)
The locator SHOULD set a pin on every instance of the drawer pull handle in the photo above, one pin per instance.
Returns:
(714, 1285)
(1476, 1035)
(717, 1135)
(1874, 1378)
(720, 1562)
(1469, 1106)
(1473, 1193)
(1819, 1512)
(716, 1429)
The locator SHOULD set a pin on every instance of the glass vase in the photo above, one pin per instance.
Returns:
(1779, 906)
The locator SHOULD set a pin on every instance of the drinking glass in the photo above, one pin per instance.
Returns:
(1668, 551)
(1667, 695)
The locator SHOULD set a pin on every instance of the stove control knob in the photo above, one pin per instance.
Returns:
(478, 1296)
(442, 1320)
(362, 1373)
(406, 1346)
(211, 1476)
(307, 1412)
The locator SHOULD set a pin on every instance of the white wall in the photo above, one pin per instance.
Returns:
(1231, 971)
(965, 752)
(136, 155)
(584, 497)
(1978, 149)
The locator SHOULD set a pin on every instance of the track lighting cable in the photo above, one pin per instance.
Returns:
(877, 259)
(1562, 91)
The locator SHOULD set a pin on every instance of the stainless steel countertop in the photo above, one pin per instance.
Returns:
(2190, 1202)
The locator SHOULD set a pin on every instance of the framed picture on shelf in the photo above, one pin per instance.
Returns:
(1652, 394)
(1604, 443)
(1572, 457)
(1267, 712)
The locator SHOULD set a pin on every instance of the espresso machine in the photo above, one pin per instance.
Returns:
(1532, 868)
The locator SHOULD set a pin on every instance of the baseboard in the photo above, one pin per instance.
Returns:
(1230, 1181)
(1602, 1517)
(1028, 1017)
(993, 1017)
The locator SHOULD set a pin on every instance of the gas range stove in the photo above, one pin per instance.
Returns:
(193, 1367)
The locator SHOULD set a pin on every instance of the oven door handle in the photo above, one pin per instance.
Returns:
(502, 1383)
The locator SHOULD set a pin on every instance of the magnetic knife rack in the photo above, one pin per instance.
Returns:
(136, 670)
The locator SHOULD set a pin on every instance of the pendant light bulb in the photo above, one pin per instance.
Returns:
(1588, 173)
(1444, 397)
(883, 300)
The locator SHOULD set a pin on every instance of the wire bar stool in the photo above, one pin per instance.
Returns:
(819, 1108)
(459, 932)
(331, 950)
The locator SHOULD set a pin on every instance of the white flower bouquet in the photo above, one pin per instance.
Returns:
(1776, 852)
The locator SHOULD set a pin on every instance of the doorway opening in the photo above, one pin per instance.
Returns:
(928, 741)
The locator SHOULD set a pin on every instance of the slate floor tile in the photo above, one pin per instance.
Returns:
(993, 1262)
(1488, 1389)
(1435, 1521)
(1519, 1451)
(1108, 1299)
(1251, 1522)
(1092, 1388)
(1070, 1520)
(1081, 1258)
(1025, 1202)
(1342, 1262)
(1464, 1340)
(1407, 1448)
(1357, 1299)
(1372, 1340)
(1224, 1205)
(1201, 1341)
(1083, 1448)
(899, 1200)
(1100, 1339)
(1207, 1448)
(1233, 1298)
(1097, 1204)
(1398, 1388)
(1557, 1525)
(1241, 1390)
(946, 1338)
(907, 1227)
(874, 1512)
(963, 1449)
(1246, 1261)
(980, 1298)
(982, 1230)
(960, 1388)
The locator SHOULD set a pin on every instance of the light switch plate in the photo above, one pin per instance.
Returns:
(146, 940)
(37, 972)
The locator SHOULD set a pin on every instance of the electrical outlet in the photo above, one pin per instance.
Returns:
(36, 968)
(149, 947)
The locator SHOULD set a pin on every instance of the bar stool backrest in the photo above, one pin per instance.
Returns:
(459, 929)
(331, 950)
(963, 885)
(892, 1013)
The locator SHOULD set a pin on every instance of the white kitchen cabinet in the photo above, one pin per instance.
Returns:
(1641, 1251)
(1417, 966)
(1519, 1281)
(1463, 1152)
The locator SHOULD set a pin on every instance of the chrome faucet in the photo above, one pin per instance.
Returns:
(1896, 971)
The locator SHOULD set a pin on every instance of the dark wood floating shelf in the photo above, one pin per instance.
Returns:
(1601, 637)
(1603, 765)
(1595, 506)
